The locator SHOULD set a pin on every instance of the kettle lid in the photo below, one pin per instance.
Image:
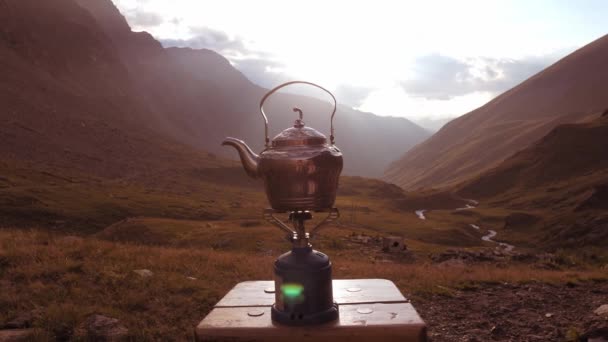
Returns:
(299, 135)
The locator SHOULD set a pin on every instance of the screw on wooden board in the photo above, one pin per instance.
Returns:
(365, 311)
(255, 313)
(353, 289)
(269, 290)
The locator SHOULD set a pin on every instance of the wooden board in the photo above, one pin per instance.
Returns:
(387, 322)
(369, 308)
(346, 291)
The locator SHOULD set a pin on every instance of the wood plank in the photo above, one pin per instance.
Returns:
(346, 291)
(357, 322)
(248, 293)
(371, 291)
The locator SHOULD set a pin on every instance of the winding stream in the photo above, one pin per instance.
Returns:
(468, 206)
(490, 234)
(420, 214)
(488, 237)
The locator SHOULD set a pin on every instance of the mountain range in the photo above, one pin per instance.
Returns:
(97, 73)
(86, 101)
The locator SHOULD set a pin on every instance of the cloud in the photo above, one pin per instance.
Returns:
(141, 18)
(267, 73)
(208, 38)
(353, 96)
(438, 77)
(260, 67)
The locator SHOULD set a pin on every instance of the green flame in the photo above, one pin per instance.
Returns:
(292, 290)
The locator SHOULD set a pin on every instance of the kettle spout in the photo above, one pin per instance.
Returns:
(248, 158)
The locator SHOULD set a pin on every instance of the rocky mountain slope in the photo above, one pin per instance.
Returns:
(198, 98)
(562, 178)
(569, 91)
(68, 101)
(79, 85)
(568, 152)
(100, 123)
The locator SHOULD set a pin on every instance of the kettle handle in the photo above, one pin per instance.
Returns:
(333, 113)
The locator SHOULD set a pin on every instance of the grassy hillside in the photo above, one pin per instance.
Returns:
(560, 182)
(62, 280)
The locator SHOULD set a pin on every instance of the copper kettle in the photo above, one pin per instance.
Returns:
(300, 169)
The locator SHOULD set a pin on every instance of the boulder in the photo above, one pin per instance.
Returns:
(393, 244)
(16, 335)
(595, 335)
(102, 328)
(602, 310)
(144, 273)
(21, 321)
(361, 238)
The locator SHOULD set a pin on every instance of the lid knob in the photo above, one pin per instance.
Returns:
(299, 123)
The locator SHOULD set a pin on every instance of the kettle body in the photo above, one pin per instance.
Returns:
(301, 178)
(300, 168)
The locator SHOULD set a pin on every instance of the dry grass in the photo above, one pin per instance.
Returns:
(70, 278)
(85, 204)
(67, 278)
(199, 224)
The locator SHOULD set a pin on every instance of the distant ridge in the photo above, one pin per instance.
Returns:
(570, 155)
(566, 92)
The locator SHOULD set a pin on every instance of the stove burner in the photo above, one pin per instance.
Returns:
(303, 282)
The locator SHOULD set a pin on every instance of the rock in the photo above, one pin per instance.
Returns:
(497, 330)
(23, 320)
(16, 335)
(467, 256)
(549, 315)
(361, 238)
(598, 339)
(144, 273)
(190, 278)
(102, 328)
(602, 310)
(393, 244)
(595, 335)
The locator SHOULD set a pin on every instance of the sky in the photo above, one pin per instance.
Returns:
(423, 60)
